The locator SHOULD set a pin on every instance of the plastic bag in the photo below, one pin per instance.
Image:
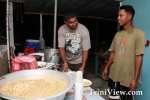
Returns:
(23, 63)
(29, 50)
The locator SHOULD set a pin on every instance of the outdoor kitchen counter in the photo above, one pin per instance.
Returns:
(88, 94)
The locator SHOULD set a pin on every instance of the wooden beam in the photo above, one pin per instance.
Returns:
(16, 1)
(78, 16)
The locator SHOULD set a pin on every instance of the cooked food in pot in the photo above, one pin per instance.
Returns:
(33, 87)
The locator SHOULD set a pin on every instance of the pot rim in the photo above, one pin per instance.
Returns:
(4, 78)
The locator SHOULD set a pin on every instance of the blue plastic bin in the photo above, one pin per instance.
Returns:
(33, 44)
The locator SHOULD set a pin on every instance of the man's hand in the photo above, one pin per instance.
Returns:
(65, 68)
(104, 73)
(133, 84)
(81, 69)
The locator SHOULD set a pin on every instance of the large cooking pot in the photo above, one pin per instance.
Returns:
(59, 96)
(51, 55)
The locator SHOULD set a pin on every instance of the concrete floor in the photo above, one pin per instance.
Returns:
(98, 84)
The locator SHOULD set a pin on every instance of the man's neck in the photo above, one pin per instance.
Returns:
(128, 26)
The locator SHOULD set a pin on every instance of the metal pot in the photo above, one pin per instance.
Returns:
(51, 55)
(59, 96)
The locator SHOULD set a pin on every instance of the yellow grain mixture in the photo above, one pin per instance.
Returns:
(33, 87)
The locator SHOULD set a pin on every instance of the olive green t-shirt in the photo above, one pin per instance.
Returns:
(126, 45)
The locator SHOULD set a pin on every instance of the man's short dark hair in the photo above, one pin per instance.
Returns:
(129, 9)
(69, 14)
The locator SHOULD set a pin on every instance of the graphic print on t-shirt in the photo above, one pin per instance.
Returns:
(72, 43)
(122, 47)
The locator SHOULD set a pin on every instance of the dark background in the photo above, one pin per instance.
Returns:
(28, 27)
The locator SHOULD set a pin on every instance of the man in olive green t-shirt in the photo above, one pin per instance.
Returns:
(126, 56)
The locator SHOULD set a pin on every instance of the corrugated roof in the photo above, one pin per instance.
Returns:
(107, 9)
